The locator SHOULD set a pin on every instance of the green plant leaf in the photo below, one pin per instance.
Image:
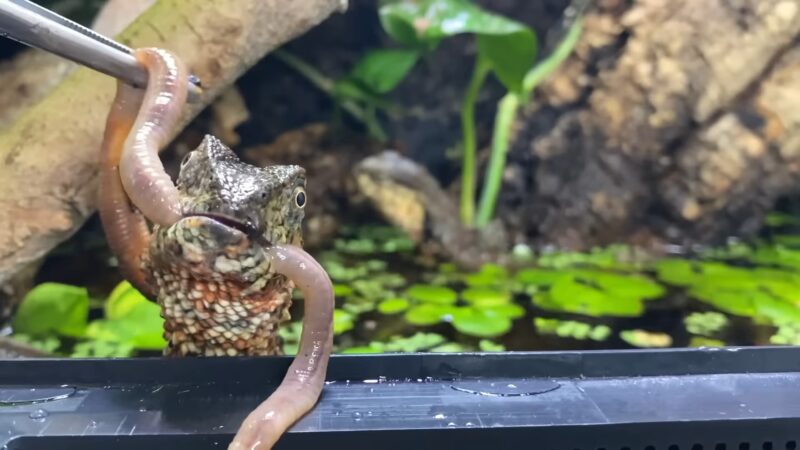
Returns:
(539, 277)
(507, 46)
(342, 290)
(485, 297)
(373, 347)
(485, 345)
(427, 314)
(101, 349)
(53, 308)
(509, 310)
(510, 55)
(481, 323)
(432, 294)
(569, 295)
(646, 339)
(343, 321)
(122, 300)
(450, 347)
(415, 343)
(393, 306)
(380, 71)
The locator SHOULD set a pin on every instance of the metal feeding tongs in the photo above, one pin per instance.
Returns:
(36, 26)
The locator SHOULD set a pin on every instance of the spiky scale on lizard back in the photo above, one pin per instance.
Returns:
(218, 294)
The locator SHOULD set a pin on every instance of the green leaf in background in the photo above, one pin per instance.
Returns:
(432, 294)
(381, 71)
(481, 322)
(427, 314)
(485, 345)
(342, 321)
(539, 277)
(510, 55)
(507, 46)
(489, 276)
(646, 339)
(47, 343)
(130, 320)
(485, 297)
(571, 295)
(705, 324)
(393, 306)
(571, 329)
(101, 349)
(53, 308)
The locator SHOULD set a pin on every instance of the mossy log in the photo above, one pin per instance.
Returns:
(675, 121)
(50, 153)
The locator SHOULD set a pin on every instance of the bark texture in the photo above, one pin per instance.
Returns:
(49, 154)
(674, 120)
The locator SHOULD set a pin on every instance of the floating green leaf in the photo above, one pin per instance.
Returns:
(646, 339)
(393, 305)
(101, 349)
(450, 347)
(342, 321)
(571, 295)
(571, 329)
(705, 324)
(46, 343)
(489, 275)
(341, 290)
(432, 294)
(485, 297)
(539, 277)
(486, 345)
(480, 322)
(427, 314)
(53, 308)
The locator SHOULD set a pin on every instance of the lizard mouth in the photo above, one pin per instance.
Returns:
(249, 230)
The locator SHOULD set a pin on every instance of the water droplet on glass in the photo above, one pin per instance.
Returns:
(39, 415)
(372, 389)
(451, 424)
(142, 408)
(356, 416)
(338, 412)
(440, 416)
(469, 424)
(92, 423)
(381, 379)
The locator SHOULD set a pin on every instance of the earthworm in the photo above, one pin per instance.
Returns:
(131, 174)
(147, 184)
(302, 385)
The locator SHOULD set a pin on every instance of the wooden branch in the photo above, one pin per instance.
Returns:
(49, 156)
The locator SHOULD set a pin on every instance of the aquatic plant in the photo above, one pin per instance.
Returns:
(706, 323)
(507, 49)
(590, 292)
(646, 339)
(571, 329)
(52, 311)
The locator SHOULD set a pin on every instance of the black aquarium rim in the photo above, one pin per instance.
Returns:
(557, 364)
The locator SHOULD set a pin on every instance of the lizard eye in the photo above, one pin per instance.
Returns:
(300, 197)
(185, 159)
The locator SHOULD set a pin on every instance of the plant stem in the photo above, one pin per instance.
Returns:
(551, 63)
(327, 86)
(504, 120)
(501, 138)
(479, 74)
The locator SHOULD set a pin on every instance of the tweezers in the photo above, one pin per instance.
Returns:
(39, 27)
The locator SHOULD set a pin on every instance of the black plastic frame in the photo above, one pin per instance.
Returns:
(732, 398)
